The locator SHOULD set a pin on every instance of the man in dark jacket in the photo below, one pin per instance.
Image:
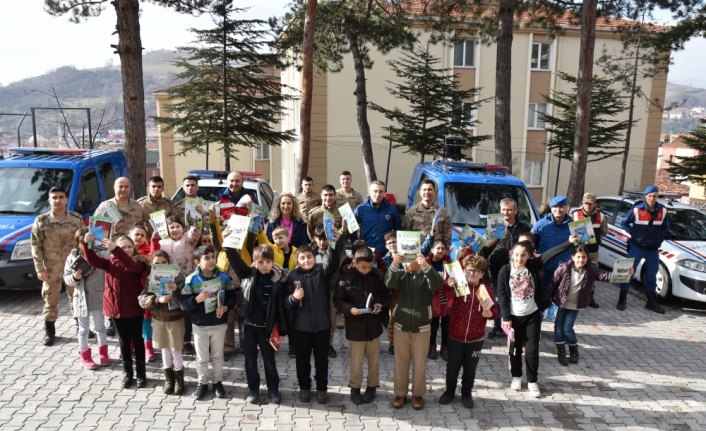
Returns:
(647, 223)
(551, 231)
(376, 217)
(360, 295)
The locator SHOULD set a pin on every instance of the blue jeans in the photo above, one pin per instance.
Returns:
(651, 267)
(564, 326)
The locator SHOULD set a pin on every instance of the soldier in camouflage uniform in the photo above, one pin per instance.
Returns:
(346, 193)
(155, 201)
(420, 216)
(131, 212)
(52, 241)
(328, 202)
(308, 199)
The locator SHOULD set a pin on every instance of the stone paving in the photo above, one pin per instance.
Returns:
(638, 370)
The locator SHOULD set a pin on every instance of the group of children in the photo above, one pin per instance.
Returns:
(290, 291)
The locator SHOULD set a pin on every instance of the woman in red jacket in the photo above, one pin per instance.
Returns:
(123, 285)
(469, 314)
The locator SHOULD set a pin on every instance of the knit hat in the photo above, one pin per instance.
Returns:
(651, 189)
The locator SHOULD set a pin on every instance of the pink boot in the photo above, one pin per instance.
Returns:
(103, 355)
(87, 360)
(149, 351)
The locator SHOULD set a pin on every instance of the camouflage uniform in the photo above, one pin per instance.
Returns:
(420, 219)
(354, 198)
(316, 217)
(52, 241)
(132, 214)
(150, 205)
(307, 203)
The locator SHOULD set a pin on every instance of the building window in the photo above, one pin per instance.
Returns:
(533, 172)
(464, 53)
(533, 119)
(263, 152)
(540, 56)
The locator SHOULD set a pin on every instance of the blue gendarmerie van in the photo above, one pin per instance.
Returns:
(26, 176)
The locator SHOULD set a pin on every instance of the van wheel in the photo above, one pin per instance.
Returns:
(664, 284)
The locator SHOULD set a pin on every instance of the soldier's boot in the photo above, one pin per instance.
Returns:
(49, 333)
(87, 360)
(622, 299)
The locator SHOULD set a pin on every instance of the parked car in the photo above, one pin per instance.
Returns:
(471, 191)
(212, 182)
(682, 256)
(27, 175)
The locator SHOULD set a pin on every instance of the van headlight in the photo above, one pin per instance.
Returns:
(22, 250)
(693, 265)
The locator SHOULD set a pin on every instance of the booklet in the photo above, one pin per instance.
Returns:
(213, 286)
(192, 217)
(329, 223)
(369, 308)
(112, 212)
(157, 273)
(239, 231)
(409, 244)
(621, 270)
(496, 226)
(349, 217)
(158, 220)
(483, 297)
(461, 287)
(274, 338)
(470, 238)
(584, 230)
(101, 228)
(258, 215)
(80, 264)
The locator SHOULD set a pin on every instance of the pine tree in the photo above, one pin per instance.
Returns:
(228, 98)
(692, 168)
(605, 132)
(435, 106)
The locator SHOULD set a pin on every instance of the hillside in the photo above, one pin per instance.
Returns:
(88, 88)
(685, 95)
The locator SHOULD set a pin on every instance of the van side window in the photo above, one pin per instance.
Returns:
(108, 176)
(88, 189)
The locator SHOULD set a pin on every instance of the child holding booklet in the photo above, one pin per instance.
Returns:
(261, 306)
(440, 301)
(87, 301)
(360, 295)
(168, 326)
(138, 235)
(207, 296)
(285, 255)
(469, 314)
(571, 289)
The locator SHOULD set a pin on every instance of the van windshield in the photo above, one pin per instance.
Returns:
(470, 203)
(26, 190)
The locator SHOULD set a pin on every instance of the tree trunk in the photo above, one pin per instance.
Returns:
(631, 114)
(130, 52)
(226, 132)
(307, 94)
(362, 106)
(503, 143)
(577, 179)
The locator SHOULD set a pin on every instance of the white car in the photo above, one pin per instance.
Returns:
(682, 256)
(212, 182)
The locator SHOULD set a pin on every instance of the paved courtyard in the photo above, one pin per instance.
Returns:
(638, 370)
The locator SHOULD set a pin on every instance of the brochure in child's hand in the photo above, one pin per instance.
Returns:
(496, 226)
(621, 270)
(461, 287)
(483, 297)
(258, 214)
(470, 238)
(238, 231)
(347, 214)
(584, 230)
(159, 272)
(80, 264)
(369, 309)
(329, 223)
(274, 338)
(158, 220)
(112, 212)
(192, 216)
(435, 220)
(409, 244)
(100, 227)
(213, 286)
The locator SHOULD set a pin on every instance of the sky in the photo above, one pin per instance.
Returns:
(32, 42)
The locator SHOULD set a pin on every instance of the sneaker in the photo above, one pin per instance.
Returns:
(189, 348)
(201, 390)
(332, 352)
(275, 397)
(321, 397)
(534, 390)
(447, 397)
(516, 384)
(305, 395)
(253, 395)
(128, 381)
(432, 354)
(219, 390)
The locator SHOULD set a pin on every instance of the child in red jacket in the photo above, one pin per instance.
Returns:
(123, 284)
(441, 300)
(467, 331)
